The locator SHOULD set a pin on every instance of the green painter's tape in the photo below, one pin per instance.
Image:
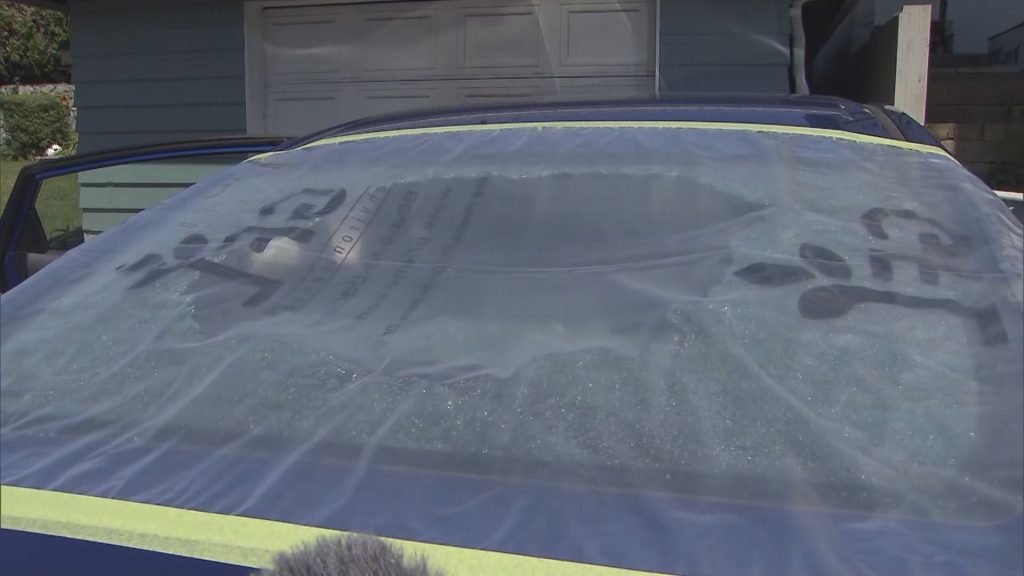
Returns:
(233, 539)
(725, 126)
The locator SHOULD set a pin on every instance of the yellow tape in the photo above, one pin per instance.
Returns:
(727, 126)
(233, 539)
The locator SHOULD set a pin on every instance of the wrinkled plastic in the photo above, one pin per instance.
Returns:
(684, 350)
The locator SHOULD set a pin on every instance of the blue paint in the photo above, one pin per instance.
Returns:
(30, 554)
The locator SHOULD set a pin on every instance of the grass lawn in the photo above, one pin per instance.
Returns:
(8, 172)
(57, 202)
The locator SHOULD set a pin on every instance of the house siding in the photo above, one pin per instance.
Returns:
(157, 71)
(724, 46)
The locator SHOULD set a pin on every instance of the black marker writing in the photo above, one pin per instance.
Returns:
(447, 253)
(270, 208)
(958, 246)
(155, 267)
(836, 300)
(927, 269)
(306, 211)
(826, 261)
(263, 236)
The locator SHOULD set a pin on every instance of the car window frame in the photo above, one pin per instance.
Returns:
(20, 226)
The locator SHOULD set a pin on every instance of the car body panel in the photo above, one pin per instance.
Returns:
(37, 554)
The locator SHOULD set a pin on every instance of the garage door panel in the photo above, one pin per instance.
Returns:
(500, 37)
(504, 91)
(401, 38)
(612, 34)
(300, 113)
(603, 88)
(303, 45)
(376, 98)
(328, 64)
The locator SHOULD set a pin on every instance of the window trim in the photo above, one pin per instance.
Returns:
(20, 209)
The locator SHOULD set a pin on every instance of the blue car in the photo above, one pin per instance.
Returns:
(701, 338)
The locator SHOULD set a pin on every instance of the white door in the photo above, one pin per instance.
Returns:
(328, 64)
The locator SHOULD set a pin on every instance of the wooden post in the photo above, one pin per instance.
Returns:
(888, 67)
(913, 37)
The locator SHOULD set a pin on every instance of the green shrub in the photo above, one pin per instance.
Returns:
(71, 147)
(31, 122)
(32, 39)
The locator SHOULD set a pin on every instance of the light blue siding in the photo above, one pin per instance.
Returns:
(157, 71)
(108, 196)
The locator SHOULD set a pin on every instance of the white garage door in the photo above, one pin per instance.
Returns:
(328, 64)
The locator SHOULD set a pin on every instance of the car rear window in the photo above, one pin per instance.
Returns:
(712, 312)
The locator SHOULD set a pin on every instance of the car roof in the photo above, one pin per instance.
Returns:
(798, 111)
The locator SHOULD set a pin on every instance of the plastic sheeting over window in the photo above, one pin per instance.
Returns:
(674, 349)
